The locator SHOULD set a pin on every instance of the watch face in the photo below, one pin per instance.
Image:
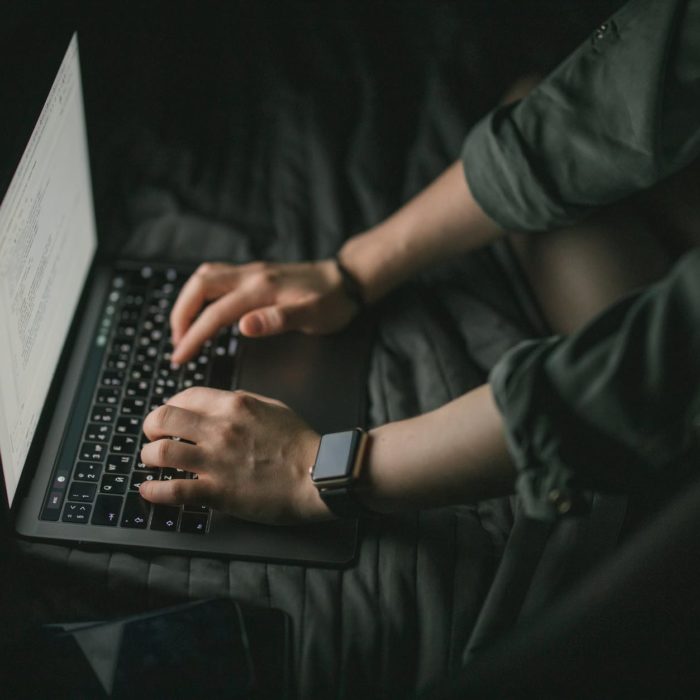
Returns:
(336, 456)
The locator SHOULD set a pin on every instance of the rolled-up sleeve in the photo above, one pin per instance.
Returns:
(614, 407)
(620, 114)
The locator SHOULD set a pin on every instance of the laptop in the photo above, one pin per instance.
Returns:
(84, 356)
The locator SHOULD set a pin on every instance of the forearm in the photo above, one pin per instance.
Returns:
(441, 221)
(455, 454)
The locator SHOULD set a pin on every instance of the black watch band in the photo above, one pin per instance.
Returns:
(343, 502)
(337, 469)
(351, 286)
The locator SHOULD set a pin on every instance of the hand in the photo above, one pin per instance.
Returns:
(264, 298)
(251, 454)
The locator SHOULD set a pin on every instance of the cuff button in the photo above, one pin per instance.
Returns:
(560, 501)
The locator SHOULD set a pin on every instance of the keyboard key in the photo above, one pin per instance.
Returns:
(137, 389)
(103, 414)
(138, 477)
(119, 464)
(169, 474)
(133, 407)
(92, 452)
(136, 512)
(107, 509)
(98, 433)
(80, 491)
(133, 301)
(127, 330)
(87, 471)
(124, 444)
(165, 518)
(130, 425)
(60, 482)
(114, 484)
(122, 345)
(112, 378)
(196, 508)
(195, 523)
(129, 316)
(117, 361)
(167, 384)
(165, 370)
(108, 396)
(54, 501)
(76, 512)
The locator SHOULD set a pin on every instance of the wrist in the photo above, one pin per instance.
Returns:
(374, 490)
(351, 285)
(377, 260)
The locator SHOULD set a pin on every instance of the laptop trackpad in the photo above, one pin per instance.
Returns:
(323, 378)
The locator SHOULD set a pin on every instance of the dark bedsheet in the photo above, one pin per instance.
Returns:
(234, 132)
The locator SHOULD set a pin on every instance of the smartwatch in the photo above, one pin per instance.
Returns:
(337, 469)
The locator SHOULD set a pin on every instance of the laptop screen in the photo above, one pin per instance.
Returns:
(47, 242)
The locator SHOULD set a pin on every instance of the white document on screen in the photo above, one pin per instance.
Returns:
(47, 241)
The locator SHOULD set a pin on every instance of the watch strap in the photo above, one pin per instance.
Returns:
(341, 501)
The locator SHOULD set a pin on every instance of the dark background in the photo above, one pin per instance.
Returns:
(202, 74)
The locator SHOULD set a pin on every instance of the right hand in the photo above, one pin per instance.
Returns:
(264, 298)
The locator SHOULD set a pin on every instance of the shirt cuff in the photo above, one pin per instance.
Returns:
(546, 483)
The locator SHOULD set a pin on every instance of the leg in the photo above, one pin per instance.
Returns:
(575, 273)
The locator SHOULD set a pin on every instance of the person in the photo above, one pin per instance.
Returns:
(596, 170)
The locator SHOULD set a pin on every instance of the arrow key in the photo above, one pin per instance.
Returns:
(196, 523)
(76, 512)
(165, 518)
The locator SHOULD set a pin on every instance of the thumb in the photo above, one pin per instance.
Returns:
(271, 320)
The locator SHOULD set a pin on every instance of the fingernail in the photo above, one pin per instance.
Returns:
(254, 325)
(174, 365)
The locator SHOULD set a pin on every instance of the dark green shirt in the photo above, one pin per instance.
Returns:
(621, 113)
(616, 406)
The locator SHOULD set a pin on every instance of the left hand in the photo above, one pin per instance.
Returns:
(251, 454)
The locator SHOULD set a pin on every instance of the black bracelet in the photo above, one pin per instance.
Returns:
(351, 287)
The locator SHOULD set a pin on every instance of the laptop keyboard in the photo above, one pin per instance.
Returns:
(136, 376)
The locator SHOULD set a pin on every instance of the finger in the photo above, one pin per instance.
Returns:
(222, 312)
(208, 401)
(199, 399)
(271, 320)
(172, 453)
(173, 421)
(178, 491)
(209, 282)
(266, 399)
